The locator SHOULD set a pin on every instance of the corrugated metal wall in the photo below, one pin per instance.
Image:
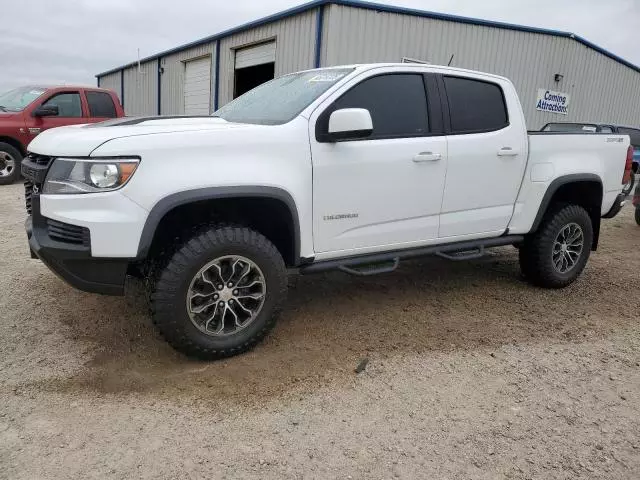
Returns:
(601, 89)
(112, 82)
(172, 83)
(141, 89)
(295, 48)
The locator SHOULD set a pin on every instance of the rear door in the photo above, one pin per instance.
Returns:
(101, 106)
(487, 155)
(383, 191)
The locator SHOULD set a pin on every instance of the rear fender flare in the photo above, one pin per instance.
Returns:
(553, 188)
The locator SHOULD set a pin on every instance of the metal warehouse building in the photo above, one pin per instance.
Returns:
(559, 76)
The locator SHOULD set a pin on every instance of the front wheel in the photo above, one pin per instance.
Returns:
(10, 159)
(220, 293)
(638, 215)
(555, 255)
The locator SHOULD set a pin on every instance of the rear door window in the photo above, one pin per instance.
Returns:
(475, 106)
(101, 105)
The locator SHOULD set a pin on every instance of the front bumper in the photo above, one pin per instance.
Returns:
(73, 262)
(616, 207)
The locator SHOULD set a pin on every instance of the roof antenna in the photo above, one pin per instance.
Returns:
(450, 60)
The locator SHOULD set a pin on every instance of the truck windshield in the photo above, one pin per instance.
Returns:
(16, 100)
(282, 99)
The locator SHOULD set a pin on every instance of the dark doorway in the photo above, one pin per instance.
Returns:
(250, 77)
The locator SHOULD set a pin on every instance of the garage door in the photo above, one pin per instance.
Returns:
(257, 55)
(197, 87)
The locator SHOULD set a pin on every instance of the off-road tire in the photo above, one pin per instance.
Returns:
(638, 215)
(169, 290)
(536, 250)
(17, 156)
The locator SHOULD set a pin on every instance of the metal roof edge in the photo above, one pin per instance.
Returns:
(212, 38)
(605, 52)
(380, 8)
(445, 16)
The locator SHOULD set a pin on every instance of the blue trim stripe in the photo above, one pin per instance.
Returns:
(216, 88)
(381, 8)
(159, 86)
(122, 88)
(319, 28)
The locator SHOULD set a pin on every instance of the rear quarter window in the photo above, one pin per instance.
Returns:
(101, 105)
(475, 106)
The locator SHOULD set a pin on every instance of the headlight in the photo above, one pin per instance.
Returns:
(88, 175)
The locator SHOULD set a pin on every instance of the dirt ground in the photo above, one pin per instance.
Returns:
(472, 374)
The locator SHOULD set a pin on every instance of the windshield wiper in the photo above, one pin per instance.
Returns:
(4, 109)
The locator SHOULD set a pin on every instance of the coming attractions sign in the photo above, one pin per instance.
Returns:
(553, 102)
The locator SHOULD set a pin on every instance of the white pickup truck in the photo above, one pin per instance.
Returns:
(352, 168)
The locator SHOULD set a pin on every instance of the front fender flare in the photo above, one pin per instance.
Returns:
(167, 204)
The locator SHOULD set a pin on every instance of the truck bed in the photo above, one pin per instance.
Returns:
(552, 154)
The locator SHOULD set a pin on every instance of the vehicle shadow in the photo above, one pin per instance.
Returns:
(331, 322)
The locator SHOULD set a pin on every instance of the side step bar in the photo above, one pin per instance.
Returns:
(371, 269)
(388, 261)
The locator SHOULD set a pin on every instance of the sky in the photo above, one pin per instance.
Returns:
(70, 41)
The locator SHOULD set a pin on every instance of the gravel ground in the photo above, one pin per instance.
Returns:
(472, 373)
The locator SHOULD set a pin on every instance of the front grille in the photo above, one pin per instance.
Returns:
(28, 193)
(34, 170)
(39, 159)
(63, 232)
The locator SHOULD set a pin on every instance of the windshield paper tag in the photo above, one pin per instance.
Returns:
(326, 77)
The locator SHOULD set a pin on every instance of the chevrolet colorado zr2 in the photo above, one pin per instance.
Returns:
(352, 168)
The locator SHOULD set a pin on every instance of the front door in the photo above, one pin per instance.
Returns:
(69, 113)
(384, 191)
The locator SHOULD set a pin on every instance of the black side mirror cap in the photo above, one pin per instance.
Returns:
(46, 111)
(344, 136)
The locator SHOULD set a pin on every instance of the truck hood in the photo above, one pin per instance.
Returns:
(81, 140)
(8, 115)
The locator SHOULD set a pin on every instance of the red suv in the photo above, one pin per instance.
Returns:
(27, 111)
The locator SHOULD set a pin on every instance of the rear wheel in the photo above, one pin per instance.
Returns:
(555, 255)
(638, 215)
(10, 159)
(220, 293)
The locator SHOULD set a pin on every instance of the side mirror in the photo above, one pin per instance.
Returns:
(46, 111)
(349, 124)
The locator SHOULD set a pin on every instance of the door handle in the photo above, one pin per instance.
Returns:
(508, 152)
(427, 157)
